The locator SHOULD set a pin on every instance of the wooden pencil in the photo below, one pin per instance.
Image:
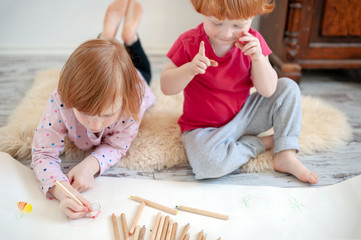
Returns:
(124, 226)
(165, 228)
(67, 192)
(60, 186)
(141, 233)
(200, 235)
(155, 205)
(203, 212)
(187, 236)
(115, 225)
(174, 231)
(184, 232)
(136, 232)
(169, 231)
(136, 218)
(160, 227)
(155, 227)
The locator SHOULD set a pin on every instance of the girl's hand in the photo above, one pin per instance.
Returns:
(70, 207)
(81, 177)
(250, 46)
(200, 62)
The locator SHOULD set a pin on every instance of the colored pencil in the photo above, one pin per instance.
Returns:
(187, 236)
(136, 218)
(160, 227)
(136, 232)
(116, 229)
(141, 234)
(174, 231)
(155, 205)
(200, 235)
(169, 231)
(203, 212)
(165, 228)
(124, 226)
(70, 195)
(184, 232)
(155, 227)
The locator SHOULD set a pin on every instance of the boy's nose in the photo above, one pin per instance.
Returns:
(227, 33)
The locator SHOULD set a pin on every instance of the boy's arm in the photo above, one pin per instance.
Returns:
(264, 76)
(174, 79)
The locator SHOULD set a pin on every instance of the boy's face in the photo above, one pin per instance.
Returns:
(99, 122)
(225, 32)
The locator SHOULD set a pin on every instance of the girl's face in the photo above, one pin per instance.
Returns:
(97, 123)
(225, 33)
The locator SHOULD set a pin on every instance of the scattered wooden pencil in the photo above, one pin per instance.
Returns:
(124, 226)
(155, 227)
(155, 205)
(184, 232)
(116, 228)
(136, 218)
(141, 233)
(203, 212)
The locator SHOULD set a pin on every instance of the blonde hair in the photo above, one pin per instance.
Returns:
(233, 9)
(98, 73)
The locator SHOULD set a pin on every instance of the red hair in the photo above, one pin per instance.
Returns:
(233, 9)
(98, 73)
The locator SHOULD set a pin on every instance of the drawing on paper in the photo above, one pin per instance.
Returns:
(88, 219)
(24, 208)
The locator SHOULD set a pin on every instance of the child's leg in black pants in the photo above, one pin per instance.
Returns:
(140, 59)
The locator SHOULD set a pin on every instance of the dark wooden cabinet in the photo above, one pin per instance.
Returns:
(313, 34)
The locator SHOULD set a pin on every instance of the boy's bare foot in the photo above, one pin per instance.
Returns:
(132, 18)
(113, 17)
(267, 142)
(288, 162)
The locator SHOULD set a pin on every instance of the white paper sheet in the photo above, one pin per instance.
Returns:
(254, 212)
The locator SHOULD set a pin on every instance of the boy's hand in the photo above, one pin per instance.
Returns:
(250, 46)
(70, 207)
(81, 177)
(200, 62)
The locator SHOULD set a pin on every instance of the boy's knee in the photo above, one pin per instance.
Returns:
(288, 86)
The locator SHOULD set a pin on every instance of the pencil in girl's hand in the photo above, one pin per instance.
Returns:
(70, 195)
(203, 212)
(155, 205)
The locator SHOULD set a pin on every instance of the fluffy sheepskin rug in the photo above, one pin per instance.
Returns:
(158, 144)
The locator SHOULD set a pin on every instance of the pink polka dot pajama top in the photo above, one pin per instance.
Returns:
(58, 121)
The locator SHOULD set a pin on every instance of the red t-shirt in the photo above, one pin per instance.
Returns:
(214, 98)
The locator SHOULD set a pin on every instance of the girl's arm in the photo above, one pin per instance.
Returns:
(174, 79)
(264, 77)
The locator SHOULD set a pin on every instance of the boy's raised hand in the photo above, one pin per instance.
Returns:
(200, 62)
(250, 46)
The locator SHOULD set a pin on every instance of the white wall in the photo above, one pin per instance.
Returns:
(59, 26)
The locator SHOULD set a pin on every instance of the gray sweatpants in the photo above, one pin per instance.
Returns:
(215, 152)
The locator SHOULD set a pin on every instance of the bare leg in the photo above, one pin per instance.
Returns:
(113, 17)
(288, 162)
(132, 18)
(267, 142)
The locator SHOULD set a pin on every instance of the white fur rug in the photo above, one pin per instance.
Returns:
(158, 144)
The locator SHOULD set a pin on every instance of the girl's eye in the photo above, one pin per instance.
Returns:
(238, 26)
(217, 23)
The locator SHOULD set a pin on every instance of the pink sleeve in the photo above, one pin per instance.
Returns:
(48, 143)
